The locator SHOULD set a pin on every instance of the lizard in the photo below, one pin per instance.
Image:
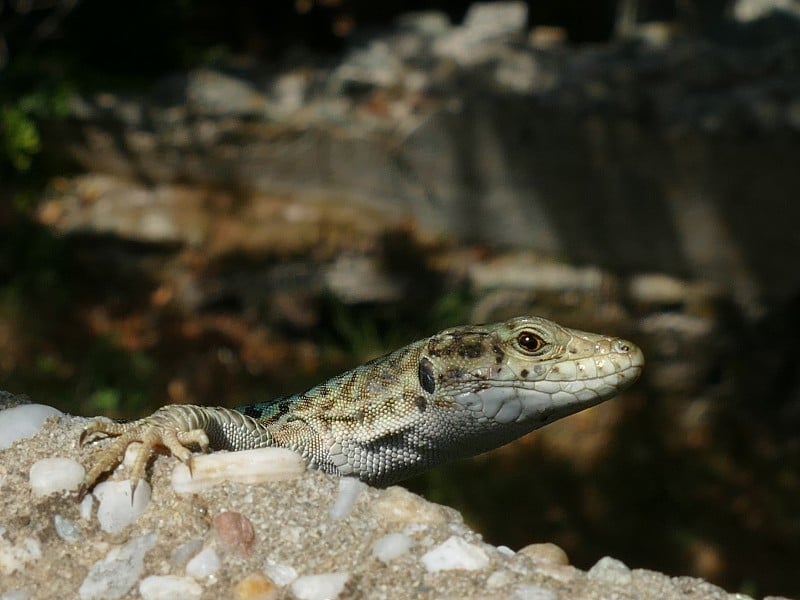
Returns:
(456, 394)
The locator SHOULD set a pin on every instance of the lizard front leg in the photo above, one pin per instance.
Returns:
(173, 427)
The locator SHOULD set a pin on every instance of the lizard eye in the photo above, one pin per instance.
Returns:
(530, 342)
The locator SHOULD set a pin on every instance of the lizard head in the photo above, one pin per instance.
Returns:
(527, 371)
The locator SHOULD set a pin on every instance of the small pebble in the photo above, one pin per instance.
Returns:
(169, 587)
(280, 574)
(349, 490)
(131, 455)
(545, 552)
(610, 570)
(205, 564)
(116, 574)
(51, 475)
(325, 586)
(116, 511)
(86, 506)
(391, 546)
(255, 587)
(23, 421)
(246, 466)
(234, 530)
(67, 530)
(455, 553)
(184, 553)
(505, 550)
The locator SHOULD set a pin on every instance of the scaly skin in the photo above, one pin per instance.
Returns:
(456, 394)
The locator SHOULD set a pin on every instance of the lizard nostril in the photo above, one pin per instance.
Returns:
(622, 346)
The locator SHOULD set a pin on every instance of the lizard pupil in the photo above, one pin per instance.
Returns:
(426, 378)
(529, 341)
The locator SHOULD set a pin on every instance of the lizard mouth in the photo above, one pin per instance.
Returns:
(551, 391)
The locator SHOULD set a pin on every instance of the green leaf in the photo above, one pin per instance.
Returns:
(19, 136)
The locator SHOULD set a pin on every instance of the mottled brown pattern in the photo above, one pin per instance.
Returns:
(469, 344)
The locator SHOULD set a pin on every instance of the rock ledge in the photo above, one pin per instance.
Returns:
(312, 536)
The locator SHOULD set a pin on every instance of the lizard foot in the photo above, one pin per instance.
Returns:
(149, 433)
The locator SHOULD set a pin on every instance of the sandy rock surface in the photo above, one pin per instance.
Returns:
(312, 536)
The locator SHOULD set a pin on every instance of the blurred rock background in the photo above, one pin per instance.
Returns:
(215, 203)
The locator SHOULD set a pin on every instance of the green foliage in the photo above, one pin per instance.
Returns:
(105, 401)
(20, 139)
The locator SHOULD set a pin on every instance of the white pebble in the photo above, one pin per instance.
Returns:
(505, 550)
(204, 564)
(131, 455)
(455, 553)
(246, 466)
(51, 475)
(184, 553)
(280, 574)
(391, 546)
(349, 490)
(86, 506)
(116, 574)
(325, 586)
(611, 570)
(24, 421)
(116, 511)
(168, 587)
(67, 530)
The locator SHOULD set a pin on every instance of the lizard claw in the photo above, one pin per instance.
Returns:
(150, 434)
(98, 429)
